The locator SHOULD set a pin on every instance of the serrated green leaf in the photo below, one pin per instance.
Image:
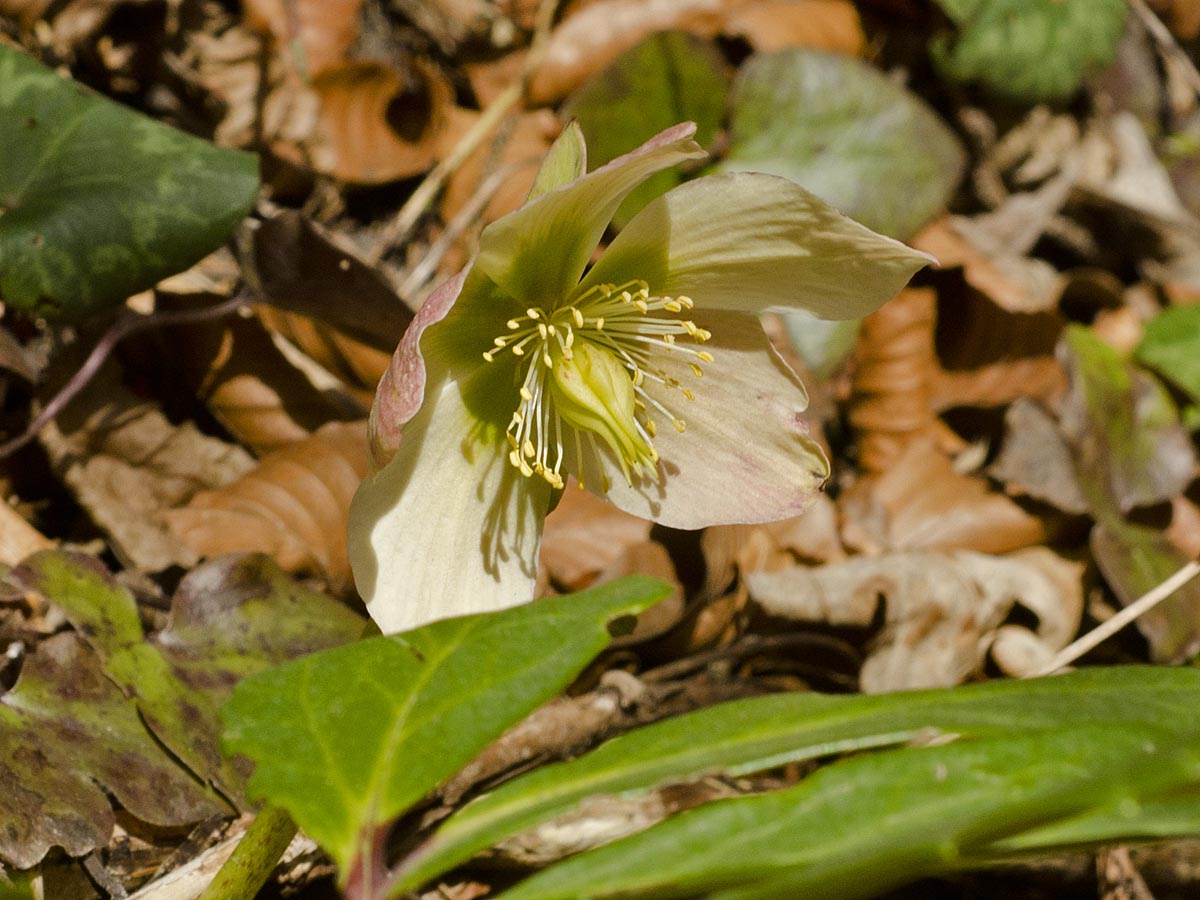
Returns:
(670, 77)
(1029, 50)
(1171, 346)
(846, 132)
(347, 740)
(746, 736)
(98, 202)
(883, 818)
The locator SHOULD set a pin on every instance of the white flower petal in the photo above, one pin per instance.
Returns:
(537, 253)
(753, 243)
(745, 455)
(448, 527)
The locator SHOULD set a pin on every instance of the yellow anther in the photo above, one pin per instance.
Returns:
(526, 394)
(533, 313)
(543, 331)
(599, 323)
(488, 356)
(688, 393)
(651, 428)
(577, 315)
(528, 449)
(513, 324)
(680, 425)
(704, 356)
(696, 370)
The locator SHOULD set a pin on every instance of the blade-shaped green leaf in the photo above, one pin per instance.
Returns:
(670, 77)
(878, 819)
(98, 202)
(845, 131)
(347, 740)
(1029, 50)
(751, 735)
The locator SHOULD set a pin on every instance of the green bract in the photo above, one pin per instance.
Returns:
(647, 377)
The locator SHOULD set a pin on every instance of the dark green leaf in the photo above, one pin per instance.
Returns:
(1029, 50)
(348, 739)
(669, 78)
(98, 202)
(746, 736)
(845, 131)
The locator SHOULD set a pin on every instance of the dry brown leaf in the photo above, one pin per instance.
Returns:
(292, 506)
(922, 503)
(894, 363)
(18, 539)
(952, 250)
(314, 34)
(248, 383)
(124, 462)
(375, 123)
(517, 162)
(586, 42)
(586, 535)
(732, 549)
(771, 25)
(1035, 460)
(1183, 17)
(358, 366)
(942, 610)
(988, 356)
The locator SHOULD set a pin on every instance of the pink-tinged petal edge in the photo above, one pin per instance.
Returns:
(402, 388)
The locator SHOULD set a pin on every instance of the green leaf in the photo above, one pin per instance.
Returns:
(67, 734)
(746, 736)
(669, 78)
(1171, 346)
(1130, 448)
(895, 814)
(98, 202)
(104, 707)
(1029, 50)
(846, 132)
(349, 739)
(230, 617)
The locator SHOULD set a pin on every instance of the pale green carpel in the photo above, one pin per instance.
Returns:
(645, 375)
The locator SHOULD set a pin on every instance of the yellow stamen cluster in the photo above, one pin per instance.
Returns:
(586, 373)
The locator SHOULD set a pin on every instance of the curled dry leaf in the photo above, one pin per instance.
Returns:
(730, 550)
(942, 610)
(292, 506)
(770, 25)
(376, 123)
(589, 40)
(1035, 460)
(314, 34)
(357, 365)
(989, 356)
(251, 388)
(586, 535)
(889, 405)
(922, 502)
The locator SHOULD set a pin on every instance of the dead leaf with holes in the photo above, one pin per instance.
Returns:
(292, 506)
(942, 610)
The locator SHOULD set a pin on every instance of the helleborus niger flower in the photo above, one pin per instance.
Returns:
(647, 376)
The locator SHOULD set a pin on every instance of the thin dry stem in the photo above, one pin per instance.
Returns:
(1104, 631)
(399, 229)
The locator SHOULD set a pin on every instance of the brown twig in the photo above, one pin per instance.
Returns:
(128, 322)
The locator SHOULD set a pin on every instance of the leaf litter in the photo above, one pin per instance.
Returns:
(1013, 437)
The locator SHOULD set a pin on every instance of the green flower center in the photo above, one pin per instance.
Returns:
(583, 373)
